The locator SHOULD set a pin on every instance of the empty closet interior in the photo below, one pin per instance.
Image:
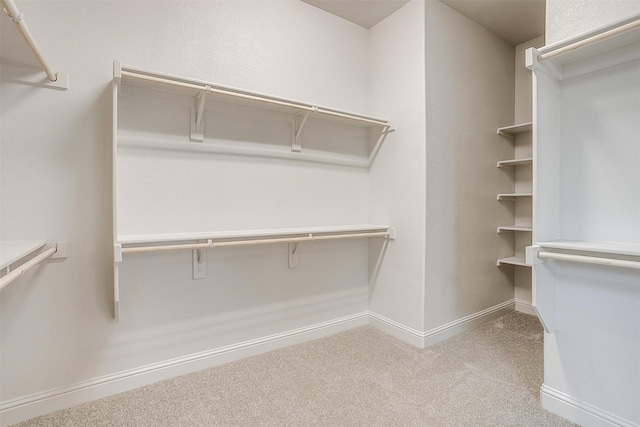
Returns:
(219, 179)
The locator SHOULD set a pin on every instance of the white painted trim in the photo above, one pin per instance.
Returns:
(24, 408)
(579, 412)
(396, 330)
(525, 307)
(433, 336)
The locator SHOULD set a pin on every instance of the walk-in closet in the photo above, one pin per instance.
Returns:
(318, 212)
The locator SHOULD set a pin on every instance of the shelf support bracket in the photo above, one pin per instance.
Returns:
(296, 143)
(197, 122)
(381, 136)
(199, 257)
(293, 255)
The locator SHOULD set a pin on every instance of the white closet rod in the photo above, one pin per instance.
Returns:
(590, 260)
(250, 97)
(590, 40)
(14, 13)
(10, 277)
(309, 238)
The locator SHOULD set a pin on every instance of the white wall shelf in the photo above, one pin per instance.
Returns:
(197, 242)
(511, 131)
(518, 228)
(28, 253)
(513, 261)
(300, 111)
(595, 247)
(250, 234)
(154, 153)
(12, 251)
(513, 196)
(515, 162)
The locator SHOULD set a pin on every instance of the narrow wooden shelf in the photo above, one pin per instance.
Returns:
(515, 162)
(522, 228)
(629, 249)
(511, 131)
(513, 260)
(513, 196)
(12, 251)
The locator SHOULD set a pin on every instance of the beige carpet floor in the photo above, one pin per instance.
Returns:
(489, 376)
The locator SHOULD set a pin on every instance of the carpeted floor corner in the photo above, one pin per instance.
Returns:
(489, 376)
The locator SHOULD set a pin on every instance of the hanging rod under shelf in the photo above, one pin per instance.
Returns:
(211, 244)
(249, 96)
(14, 13)
(590, 40)
(14, 274)
(589, 260)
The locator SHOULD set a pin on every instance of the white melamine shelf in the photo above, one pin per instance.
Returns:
(12, 251)
(250, 234)
(513, 196)
(511, 131)
(595, 247)
(515, 162)
(192, 87)
(513, 260)
(523, 228)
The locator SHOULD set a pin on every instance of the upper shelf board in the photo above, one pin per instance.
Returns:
(597, 247)
(186, 86)
(513, 260)
(604, 47)
(14, 250)
(248, 234)
(513, 130)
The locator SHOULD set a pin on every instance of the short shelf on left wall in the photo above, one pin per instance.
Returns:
(12, 251)
(16, 251)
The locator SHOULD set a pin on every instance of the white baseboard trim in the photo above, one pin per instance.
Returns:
(525, 307)
(433, 336)
(21, 409)
(579, 412)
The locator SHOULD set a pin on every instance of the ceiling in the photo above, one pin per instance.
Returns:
(365, 13)
(515, 21)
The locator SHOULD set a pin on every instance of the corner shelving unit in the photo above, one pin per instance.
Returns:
(143, 100)
(519, 136)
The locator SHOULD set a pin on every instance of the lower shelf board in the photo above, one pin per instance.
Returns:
(513, 260)
(523, 228)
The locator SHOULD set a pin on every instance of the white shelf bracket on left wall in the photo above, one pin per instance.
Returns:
(197, 116)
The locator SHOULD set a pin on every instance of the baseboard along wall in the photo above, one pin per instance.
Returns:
(579, 412)
(17, 410)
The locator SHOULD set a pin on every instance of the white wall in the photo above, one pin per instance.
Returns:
(57, 325)
(469, 94)
(397, 88)
(567, 18)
